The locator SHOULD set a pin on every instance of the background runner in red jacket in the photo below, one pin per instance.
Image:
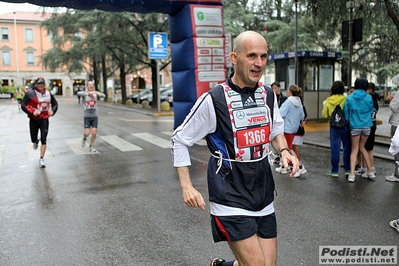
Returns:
(39, 104)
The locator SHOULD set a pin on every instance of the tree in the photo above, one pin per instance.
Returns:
(107, 42)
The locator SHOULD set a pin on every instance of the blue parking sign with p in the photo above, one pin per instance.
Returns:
(158, 45)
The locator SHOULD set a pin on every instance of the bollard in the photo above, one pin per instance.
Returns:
(145, 104)
(165, 106)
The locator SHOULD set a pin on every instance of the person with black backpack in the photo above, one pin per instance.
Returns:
(339, 130)
(358, 111)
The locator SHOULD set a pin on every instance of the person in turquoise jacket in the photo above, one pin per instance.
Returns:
(358, 111)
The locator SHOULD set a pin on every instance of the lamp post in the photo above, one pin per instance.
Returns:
(16, 48)
(296, 42)
(350, 5)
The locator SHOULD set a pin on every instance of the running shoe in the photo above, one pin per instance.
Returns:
(216, 262)
(42, 164)
(394, 224)
(392, 178)
(370, 176)
(92, 149)
(359, 169)
(83, 143)
(333, 174)
(35, 144)
(302, 170)
(351, 178)
(281, 170)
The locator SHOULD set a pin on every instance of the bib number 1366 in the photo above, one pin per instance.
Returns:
(253, 137)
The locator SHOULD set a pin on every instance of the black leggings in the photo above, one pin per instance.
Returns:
(34, 126)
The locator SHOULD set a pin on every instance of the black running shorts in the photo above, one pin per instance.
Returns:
(235, 228)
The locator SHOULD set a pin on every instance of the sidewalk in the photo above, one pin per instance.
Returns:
(318, 134)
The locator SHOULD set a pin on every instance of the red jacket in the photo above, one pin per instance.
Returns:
(42, 101)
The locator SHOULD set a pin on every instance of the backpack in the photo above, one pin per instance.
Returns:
(270, 100)
(337, 118)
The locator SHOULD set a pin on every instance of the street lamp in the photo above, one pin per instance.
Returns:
(296, 42)
(350, 5)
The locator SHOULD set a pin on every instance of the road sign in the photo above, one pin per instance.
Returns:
(157, 45)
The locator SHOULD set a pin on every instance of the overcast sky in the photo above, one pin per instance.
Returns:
(6, 7)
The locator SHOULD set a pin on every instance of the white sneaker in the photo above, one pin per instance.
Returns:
(374, 170)
(369, 175)
(92, 149)
(281, 170)
(351, 178)
(83, 143)
(394, 224)
(42, 164)
(302, 170)
(360, 171)
(392, 178)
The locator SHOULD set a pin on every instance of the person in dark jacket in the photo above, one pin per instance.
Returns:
(239, 126)
(369, 146)
(39, 104)
(280, 96)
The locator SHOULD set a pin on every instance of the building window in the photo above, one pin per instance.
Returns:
(6, 58)
(5, 35)
(30, 58)
(29, 35)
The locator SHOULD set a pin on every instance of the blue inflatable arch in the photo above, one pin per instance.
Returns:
(197, 41)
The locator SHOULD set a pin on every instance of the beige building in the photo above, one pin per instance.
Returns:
(22, 43)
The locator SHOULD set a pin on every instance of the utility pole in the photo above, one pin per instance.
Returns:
(296, 43)
(350, 5)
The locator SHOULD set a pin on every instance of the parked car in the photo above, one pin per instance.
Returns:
(164, 93)
(170, 100)
(140, 94)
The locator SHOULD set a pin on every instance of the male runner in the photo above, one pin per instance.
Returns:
(90, 113)
(39, 104)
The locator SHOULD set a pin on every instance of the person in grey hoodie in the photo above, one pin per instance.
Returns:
(394, 121)
(292, 113)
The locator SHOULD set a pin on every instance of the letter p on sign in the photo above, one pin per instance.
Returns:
(157, 41)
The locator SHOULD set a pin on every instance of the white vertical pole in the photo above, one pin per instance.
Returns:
(16, 48)
(158, 87)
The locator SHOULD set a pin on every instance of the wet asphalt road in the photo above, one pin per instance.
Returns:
(125, 207)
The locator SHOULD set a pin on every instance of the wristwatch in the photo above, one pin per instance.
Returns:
(286, 149)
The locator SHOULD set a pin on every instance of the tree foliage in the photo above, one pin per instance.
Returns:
(320, 28)
(118, 41)
(106, 42)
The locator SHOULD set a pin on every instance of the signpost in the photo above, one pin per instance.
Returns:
(158, 49)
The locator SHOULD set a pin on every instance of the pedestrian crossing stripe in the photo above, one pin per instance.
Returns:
(35, 154)
(113, 140)
(75, 145)
(201, 142)
(2, 151)
(120, 143)
(160, 142)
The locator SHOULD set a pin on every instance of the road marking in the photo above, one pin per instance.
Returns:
(2, 153)
(120, 144)
(146, 120)
(201, 142)
(74, 144)
(35, 154)
(160, 142)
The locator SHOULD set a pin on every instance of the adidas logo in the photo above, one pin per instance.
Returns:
(249, 102)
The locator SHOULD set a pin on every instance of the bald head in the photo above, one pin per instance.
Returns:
(247, 37)
(249, 58)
